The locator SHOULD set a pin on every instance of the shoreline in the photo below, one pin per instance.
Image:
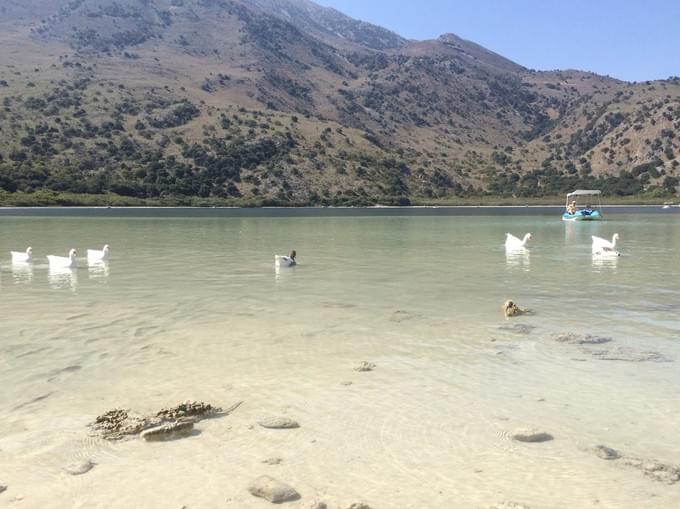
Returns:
(313, 212)
(71, 200)
(320, 207)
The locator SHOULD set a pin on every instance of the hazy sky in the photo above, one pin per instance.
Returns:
(633, 40)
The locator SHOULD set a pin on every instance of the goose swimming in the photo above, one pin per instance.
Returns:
(286, 261)
(25, 257)
(512, 242)
(64, 262)
(95, 255)
(604, 247)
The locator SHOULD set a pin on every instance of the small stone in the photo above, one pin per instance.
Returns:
(272, 490)
(651, 466)
(518, 328)
(365, 366)
(566, 337)
(2, 488)
(79, 467)
(531, 435)
(346, 383)
(606, 453)
(511, 309)
(577, 339)
(272, 461)
(168, 431)
(359, 505)
(319, 505)
(401, 316)
(278, 423)
(594, 340)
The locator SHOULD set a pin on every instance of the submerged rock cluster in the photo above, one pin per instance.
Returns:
(605, 349)
(167, 423)
(655, 470)
(120, 423)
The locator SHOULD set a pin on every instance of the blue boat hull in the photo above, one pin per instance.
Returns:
(582, 215)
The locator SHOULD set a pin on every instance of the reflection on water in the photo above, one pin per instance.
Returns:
(604, 262)
(281, 273)
(518, 258)
(22, 273)
(62, 278)
(98, 270)
(570, 230)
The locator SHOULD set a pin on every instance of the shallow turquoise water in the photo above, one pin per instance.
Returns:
(192, 307)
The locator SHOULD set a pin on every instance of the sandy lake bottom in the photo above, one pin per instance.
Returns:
(194, 309)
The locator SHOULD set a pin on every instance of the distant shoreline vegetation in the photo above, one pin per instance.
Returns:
(47, 198)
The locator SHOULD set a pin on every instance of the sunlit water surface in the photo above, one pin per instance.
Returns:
(193, 308)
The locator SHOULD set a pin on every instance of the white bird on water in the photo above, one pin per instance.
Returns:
(286, 261)
(604, 247)
(512, 242)
(25, 257)
(95, 255)
(63, 262)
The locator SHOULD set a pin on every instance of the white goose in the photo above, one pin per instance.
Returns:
(19, 257)
(63, 262)
(604, 247)
(95, 255)
(286, 261)
(512, 242)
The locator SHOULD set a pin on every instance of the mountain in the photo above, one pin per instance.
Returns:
(288, 102)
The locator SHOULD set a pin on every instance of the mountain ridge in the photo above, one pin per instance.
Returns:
(285, 101)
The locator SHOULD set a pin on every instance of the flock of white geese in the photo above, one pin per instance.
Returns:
(600, 246)
(102, 255)
(63, 262)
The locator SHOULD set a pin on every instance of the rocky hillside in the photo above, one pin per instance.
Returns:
(288, 102)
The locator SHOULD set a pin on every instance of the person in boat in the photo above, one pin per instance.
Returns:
(571, 208)
(588, 210)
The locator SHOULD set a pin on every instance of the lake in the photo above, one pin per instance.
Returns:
(190, 306)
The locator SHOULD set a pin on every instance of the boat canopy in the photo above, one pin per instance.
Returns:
(584, 192)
